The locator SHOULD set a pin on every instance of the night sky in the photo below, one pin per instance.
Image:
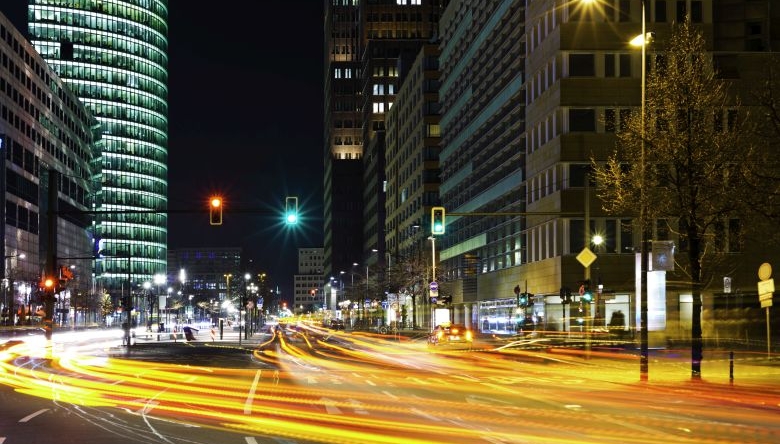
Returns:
(246, 122)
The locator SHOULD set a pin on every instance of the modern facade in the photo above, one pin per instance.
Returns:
(308, 286)
(412, 171)
(531, 94)
(113, 56)
(343, 143)
(482, 157)
(366, 43)
(48, 138)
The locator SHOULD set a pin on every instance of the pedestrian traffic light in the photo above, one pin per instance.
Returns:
(215, 211)
(587, 295)
(437, 220)
(291, 210)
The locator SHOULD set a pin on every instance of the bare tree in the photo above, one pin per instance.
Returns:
(698, 159)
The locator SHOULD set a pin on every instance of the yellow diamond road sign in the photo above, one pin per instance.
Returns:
(586, 257)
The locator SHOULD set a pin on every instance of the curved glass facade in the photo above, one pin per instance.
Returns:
(113, 55)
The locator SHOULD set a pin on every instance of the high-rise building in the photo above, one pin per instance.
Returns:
(369, 44)
(48, 139)
(113, 56)
(343, 199)
(483, 150)
(412, 171)
(532, 93)
(308, 287)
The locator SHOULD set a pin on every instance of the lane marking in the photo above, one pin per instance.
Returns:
(330, 408)
(33, 415)
(388, 394)
(250, 399)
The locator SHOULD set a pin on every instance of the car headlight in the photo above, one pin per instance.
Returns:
(468, 335)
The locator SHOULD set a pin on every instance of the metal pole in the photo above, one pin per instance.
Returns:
(433, 276)
(643, 337)
(587, 269)
(768, 338)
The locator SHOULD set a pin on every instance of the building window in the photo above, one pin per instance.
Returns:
(660, 11)
(581, 65)
(609, 65)
(582, 119)
(625, 65)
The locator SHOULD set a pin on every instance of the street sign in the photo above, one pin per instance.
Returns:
(766, 304)
(766, 286)
(764, 271)
(434, 286)
(726, 284)
(765, 297)
(586, 257)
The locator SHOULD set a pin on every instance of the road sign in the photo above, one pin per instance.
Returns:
(765, 297)
(726, 284)
(766, 304)
(434, 286)
(764, 271)
(766, 286)
(586, 257)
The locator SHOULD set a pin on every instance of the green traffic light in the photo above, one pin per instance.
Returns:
(291, 210)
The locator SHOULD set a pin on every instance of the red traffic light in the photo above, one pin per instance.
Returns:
(215, 211)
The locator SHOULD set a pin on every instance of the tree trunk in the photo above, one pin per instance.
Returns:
(697, 345)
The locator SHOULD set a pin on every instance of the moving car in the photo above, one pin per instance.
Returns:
(447, 334)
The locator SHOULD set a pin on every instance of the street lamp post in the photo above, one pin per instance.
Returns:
(643, 249)
(245, 308)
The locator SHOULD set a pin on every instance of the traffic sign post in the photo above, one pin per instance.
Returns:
(766, 288)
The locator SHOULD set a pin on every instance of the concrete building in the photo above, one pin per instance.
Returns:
(531, 92)
(412, 170)
(308, 287)
(113, 56)
(366, 42)
(44, 129)
(482, 156)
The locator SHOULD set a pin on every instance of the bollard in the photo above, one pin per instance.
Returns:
(731, 367)
(213, 334)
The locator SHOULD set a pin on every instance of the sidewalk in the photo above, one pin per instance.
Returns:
(229, 336)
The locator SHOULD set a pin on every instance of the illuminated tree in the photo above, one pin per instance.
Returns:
(700, 162)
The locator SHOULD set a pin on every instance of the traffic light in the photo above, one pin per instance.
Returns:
(437, 220)
(522, 299)
(587, 295)
(50, 286)
(291, 210)
(215, 211)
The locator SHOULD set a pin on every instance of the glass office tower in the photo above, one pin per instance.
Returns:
(113, 55)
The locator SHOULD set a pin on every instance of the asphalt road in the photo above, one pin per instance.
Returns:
(315, 385)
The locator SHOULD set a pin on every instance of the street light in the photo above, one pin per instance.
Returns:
(642, 40)
(245, 308)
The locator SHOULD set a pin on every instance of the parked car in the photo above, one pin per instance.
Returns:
(448, 334)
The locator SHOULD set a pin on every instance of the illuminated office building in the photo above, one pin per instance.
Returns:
(369, 44)
(47, 138)
(113, 55)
